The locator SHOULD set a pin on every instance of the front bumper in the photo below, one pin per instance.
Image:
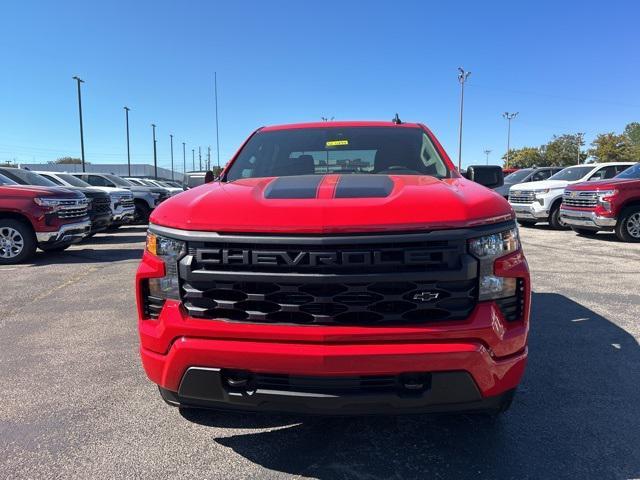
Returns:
(586, 218)
(123, 215)
(100, 222)
(530, 211)
(67, 233)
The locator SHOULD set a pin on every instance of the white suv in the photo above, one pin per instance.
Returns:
(540, 201)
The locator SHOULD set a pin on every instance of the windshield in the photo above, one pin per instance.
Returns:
(25, 177)
(6, 180)
(119, 181)
(571, 173)
(71, 180)
(631, 172)
(517, 177)
(318, 151)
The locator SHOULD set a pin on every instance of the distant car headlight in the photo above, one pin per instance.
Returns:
(170, 251)
(487, 249)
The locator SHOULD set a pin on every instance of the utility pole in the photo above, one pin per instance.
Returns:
(215, 89)
(126, 114)
(155, 153)
(509, 117)
(462, 77)
(487, 152)
(171, 137)
(193, 159)
(79, 81)
(209, 158)
(579, 137)
(184, 157)
(200, 157)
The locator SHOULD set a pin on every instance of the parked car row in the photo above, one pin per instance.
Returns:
(53, 210)
(585, 198)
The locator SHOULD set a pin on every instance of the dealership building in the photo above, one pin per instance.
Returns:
(120, 169)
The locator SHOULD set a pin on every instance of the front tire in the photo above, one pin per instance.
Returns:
(17, 241)
(142, 212)
(628, 225)
(555, 221)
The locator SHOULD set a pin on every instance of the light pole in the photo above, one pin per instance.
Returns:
(215, 87)
(509, 117)
(579, 137)
(462, 77)
(171, 137)
(193, 159)
(126, 114)
(209, 158)
(487, 152)
(200, 157)
(155, 153)
(79, 81)
(184, 157)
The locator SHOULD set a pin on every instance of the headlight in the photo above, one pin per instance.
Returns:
(170, 251)
(487, 249)
(52, 203)
(540, 192)
(604, 198)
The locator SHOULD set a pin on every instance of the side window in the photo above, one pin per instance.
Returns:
(540, 175)
(53, 179)
(621, 168)
(603, 173)
(97, 181)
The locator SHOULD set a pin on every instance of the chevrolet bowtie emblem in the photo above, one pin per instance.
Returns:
(426, 296)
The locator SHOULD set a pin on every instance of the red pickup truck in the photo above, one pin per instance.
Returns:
(336, 268)
(50, 218)
(610, 205)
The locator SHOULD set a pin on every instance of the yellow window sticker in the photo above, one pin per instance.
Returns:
(337, 143)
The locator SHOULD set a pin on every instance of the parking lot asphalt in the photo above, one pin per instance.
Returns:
(75, 402)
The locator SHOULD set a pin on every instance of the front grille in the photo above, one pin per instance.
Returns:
(125, 201)
(522, 196)
(73, 208)
(101, 206)
(580, 199)
(395, 280)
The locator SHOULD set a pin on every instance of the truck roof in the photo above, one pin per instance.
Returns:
(333, 124)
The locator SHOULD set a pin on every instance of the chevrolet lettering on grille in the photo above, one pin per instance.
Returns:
(350, 258)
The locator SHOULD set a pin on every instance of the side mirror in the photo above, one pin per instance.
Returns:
(491, 176)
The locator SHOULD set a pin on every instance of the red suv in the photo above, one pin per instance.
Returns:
(336, 268)
(50, 218)
(612, 204)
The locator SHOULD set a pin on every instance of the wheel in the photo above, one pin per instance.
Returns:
(54, 249)
(628, 225)
(526, 223)
(555, 221)
(141, 215)
(17, 241)
(584, 232)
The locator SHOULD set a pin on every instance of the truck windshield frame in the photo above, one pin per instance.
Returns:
(338, 150)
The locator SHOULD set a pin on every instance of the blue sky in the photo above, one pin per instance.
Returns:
(565, 66)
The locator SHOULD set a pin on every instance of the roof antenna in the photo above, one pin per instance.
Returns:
(397, 120)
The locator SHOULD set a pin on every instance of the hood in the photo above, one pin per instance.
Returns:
(620, 183)
(140, 188)
(35, 190)
(541, 185)
(333, 204)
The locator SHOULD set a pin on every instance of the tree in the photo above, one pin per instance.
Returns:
(632, 132)
(69, 161)
(524, 157)
(609, 147)
(564, 150)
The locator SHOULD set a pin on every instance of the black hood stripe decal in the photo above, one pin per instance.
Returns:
(299, 186)
(364, 186)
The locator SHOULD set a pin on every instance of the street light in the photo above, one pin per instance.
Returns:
(509, 117)
(487, 152)
(184, 158)
(126, 113)
(79, 81)
(200, 157)
(171, 136)
(462, 77)
(155, 155)
(193, 159)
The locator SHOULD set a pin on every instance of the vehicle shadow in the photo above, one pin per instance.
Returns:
(576, 415)
(113, 239)
(85, 255)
